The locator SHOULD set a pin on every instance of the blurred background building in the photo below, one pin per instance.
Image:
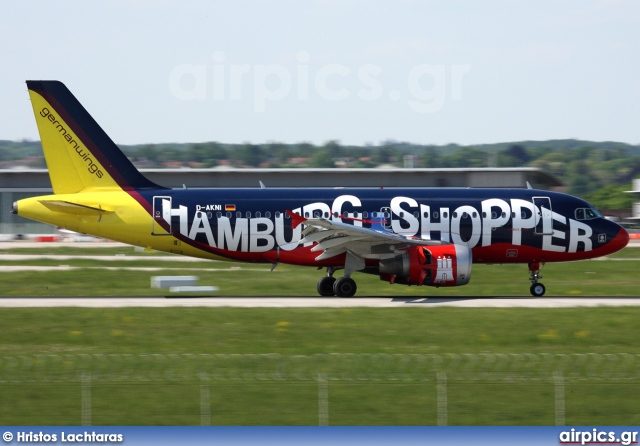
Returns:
(16, 184)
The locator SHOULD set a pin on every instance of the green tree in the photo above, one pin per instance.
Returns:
(303, 150)
(334, 149)
(612, 197)
(553, 162)
(518, 154)
(465, 157)
(251, 155)
(385, 154)
(204, 152)
(321, 159)
(149, 152)
(581, 179)
(429, 158)
(168, 155)
(278, 151)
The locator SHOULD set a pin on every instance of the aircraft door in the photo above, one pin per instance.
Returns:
(161, 216)
(385, 217)
(544, 223)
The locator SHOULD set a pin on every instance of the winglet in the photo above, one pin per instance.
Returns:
(296, 220)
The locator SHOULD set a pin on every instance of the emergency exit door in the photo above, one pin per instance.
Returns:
(544, 217)
(161, 216)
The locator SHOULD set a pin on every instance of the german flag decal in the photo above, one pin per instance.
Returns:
(230, 207)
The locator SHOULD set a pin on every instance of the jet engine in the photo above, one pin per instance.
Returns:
(443, 265)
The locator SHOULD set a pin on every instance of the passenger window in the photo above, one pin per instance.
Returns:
(267, 214)
(425, 214)
(219, 214)
(258, 214)
(277, 214)
(229, 214)
(238, 214)
(435, 214)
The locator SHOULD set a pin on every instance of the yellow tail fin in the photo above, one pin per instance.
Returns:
(79, 154)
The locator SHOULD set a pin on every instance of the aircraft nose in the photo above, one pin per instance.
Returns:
(620, 240)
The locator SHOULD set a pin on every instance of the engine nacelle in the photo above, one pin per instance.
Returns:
(445, 265)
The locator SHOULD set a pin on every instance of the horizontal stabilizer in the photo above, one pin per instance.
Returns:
(73, 208)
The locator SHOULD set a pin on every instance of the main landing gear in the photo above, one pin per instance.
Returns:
(537, 289)
(330, 286)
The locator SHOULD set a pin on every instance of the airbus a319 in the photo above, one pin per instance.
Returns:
(410, 236)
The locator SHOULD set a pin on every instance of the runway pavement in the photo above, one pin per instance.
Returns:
(317, 302)
(272, 302)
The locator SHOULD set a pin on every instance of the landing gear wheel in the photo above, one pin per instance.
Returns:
(345, 287)
(325, 286)
(537, 290)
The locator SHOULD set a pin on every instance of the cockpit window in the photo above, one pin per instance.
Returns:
(587, 214)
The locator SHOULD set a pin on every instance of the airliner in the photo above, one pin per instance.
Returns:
(410, 236)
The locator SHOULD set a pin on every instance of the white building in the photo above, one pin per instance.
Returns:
(636, 205)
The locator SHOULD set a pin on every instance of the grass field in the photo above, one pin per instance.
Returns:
(506, 399)
(615, 276)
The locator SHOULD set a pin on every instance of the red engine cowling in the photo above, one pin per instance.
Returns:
(445, 265)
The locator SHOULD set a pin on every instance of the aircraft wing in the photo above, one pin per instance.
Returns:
(335, 237)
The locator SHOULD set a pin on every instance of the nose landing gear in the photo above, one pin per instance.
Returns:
(537, 289)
